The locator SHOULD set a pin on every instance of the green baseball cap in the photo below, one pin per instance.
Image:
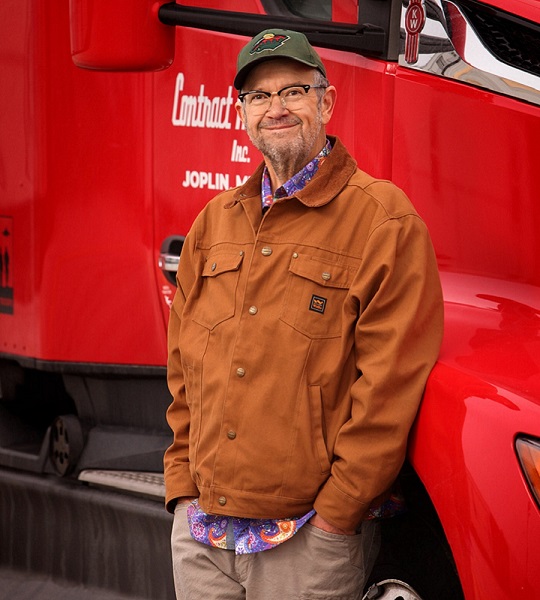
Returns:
(276, 43)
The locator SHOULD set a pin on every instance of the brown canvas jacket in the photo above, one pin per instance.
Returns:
(299, 347)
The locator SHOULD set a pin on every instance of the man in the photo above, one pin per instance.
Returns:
(307, 319)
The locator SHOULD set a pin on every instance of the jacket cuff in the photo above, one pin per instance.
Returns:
(338, 508)
(178, 484)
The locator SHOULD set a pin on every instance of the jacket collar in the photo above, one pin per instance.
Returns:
(330, 179)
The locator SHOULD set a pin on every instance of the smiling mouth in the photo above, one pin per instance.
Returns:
(278, 125)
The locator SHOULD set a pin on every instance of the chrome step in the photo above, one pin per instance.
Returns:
(143, 483)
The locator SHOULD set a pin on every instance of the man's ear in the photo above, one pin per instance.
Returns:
(328, 103)
(240, 111)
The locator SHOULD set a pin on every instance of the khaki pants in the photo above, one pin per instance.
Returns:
(312, 565)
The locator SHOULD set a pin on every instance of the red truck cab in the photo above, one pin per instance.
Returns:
(118, 125)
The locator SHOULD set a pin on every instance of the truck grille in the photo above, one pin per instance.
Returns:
(512, 40)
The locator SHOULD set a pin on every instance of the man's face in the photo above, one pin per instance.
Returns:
(286, 135)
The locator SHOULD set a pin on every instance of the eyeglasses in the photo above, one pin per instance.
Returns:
(290, 96)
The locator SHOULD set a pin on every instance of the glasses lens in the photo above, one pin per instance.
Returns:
(293, 95)
(289, 96)
(257, 99)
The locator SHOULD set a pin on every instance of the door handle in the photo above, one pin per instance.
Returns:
(169, 256)
(168, 262)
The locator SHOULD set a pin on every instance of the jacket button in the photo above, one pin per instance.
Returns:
(231, 434)
(253, 310)
(326, 276)
(213, 267)
(222, 500)
(295, 255)
(266, 251)
(240, 372)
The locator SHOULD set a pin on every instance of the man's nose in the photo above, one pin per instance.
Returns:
(277, 105)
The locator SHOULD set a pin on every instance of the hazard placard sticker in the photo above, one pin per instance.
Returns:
(6, 265)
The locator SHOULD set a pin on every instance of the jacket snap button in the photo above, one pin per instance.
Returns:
(253, 310)
(214, 265)
(266, 251)
(295, 255)
(326, 276)
(222, 500)
(240, 372)
(231, 434)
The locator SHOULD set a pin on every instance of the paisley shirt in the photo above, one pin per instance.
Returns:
(244, 536)
(296, 182)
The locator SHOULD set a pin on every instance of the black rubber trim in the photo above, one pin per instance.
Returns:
(84, 368)
(368, 39)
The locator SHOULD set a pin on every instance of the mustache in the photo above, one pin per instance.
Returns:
(288, 120)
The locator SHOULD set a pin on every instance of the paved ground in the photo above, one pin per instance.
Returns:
(21, 586)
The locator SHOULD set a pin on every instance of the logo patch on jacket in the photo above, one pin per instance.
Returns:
(318, 304)
(269, 41)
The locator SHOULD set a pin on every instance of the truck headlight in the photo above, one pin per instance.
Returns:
(528, 451)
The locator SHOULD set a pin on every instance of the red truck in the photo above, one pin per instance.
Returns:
(117, 126)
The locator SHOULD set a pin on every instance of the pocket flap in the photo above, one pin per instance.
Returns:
(322, 273)
(222, 262)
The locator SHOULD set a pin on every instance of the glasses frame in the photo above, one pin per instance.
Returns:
(269, 95)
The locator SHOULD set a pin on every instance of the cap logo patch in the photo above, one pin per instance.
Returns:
(269, 41)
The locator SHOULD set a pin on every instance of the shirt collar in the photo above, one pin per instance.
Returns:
(332, 177)
(296, 183)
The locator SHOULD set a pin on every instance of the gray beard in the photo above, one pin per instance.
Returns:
(287, 160)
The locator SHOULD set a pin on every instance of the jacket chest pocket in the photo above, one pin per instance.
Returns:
(215, 299)
(315, 295)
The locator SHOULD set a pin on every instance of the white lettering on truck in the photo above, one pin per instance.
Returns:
(200, 111)
(206, 112)
(239, 153)
(202, 179)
